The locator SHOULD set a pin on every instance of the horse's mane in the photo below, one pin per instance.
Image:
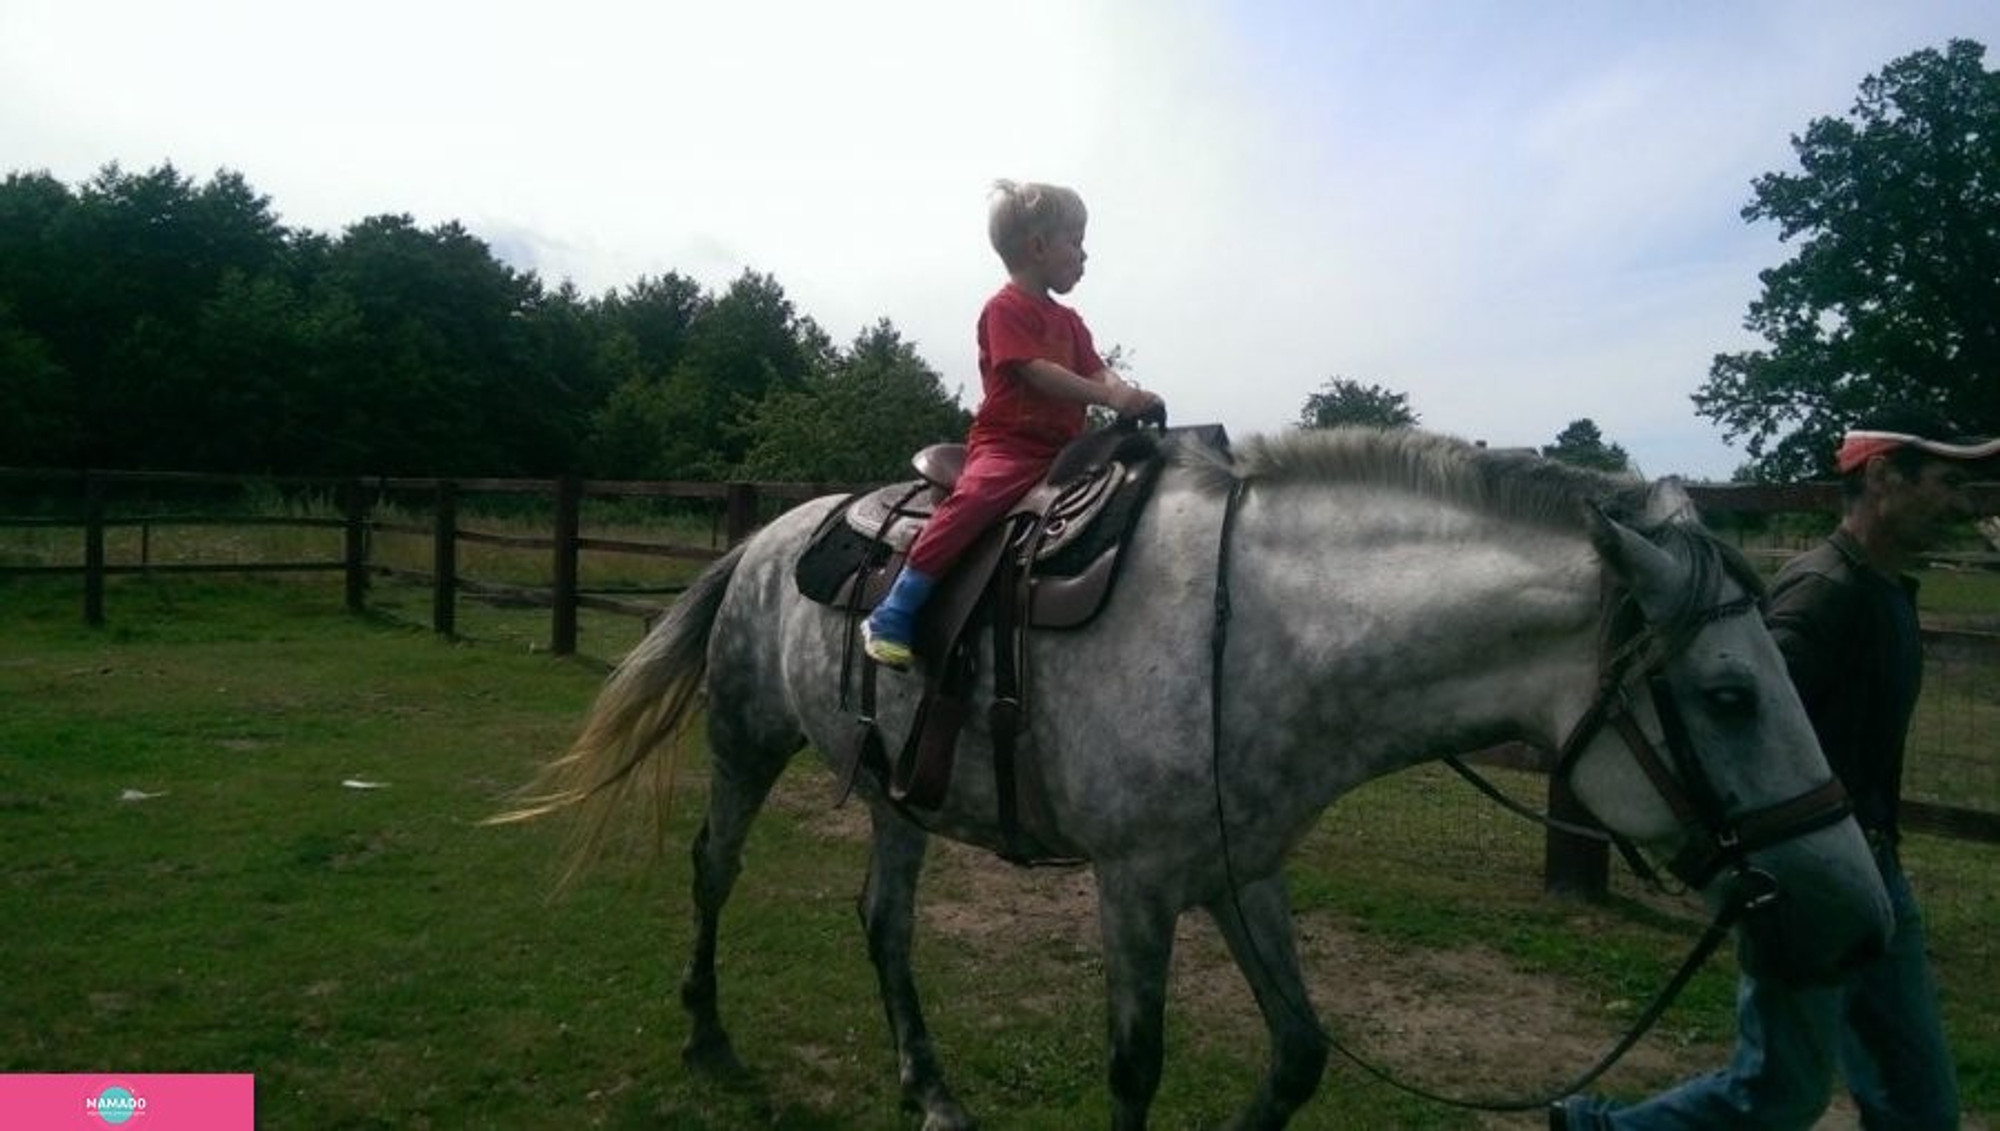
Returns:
(1509, 483)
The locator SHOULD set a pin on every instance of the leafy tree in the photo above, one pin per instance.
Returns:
(148, 320)
(109, 282)
(438, 380)
(747, 344)
(32, 273)
(570, 357)
(858, 421)
(627, 432)
(252, 348)
(643, 333)
(38, 421)
(657, 314)
(1343, 401)
(1581, 444)
(1893, 295)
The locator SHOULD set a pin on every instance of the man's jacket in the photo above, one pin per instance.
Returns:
(1849, 635)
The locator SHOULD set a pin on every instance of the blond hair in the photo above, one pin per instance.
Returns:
(1019, 212)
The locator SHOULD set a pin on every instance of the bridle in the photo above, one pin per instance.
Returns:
(1724, 840)
(1718, 839)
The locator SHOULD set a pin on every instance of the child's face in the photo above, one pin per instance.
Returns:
(1055, 259)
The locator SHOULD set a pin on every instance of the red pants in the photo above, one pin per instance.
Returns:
(993, 480)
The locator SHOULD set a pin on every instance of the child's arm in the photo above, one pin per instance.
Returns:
(1105, 387)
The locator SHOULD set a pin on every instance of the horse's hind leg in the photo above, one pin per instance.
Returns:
(1138, 929)
(888, 912)
(1257, 924)
(741, 776)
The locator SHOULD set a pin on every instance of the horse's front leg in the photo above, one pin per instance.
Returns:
(1138, 929)
(1257, 924)
(888, 911)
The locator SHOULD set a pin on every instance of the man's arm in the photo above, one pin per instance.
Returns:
(1808, 615)
(1105, 388)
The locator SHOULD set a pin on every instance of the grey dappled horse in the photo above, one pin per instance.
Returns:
(1392, 597)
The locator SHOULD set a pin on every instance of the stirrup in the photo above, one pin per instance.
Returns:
(892, 654)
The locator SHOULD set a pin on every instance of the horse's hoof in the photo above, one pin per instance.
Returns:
(713, 1056)
(940, 1108)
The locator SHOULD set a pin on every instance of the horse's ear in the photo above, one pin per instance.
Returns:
(1650, 573)
(1667, 501)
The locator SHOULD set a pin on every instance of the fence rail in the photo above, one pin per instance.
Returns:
(741, 502)
(1571, 864)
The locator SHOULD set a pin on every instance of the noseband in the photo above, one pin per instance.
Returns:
(1718, 839)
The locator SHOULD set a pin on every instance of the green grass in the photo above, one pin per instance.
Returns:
(382, 960)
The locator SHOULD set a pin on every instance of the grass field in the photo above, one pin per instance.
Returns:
(305, 892)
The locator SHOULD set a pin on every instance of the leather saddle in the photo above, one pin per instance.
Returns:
(1050, 563)
(1064, 535)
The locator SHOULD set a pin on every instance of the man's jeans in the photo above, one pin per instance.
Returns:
(1879, 1027)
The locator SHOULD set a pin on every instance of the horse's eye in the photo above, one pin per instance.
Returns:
(1731, 702)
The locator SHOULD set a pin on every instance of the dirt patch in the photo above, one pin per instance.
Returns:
(1463, 1021)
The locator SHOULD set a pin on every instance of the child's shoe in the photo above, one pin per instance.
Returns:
(886, 634)
(888, 652)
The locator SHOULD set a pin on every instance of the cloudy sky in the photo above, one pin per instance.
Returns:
(1516, 212)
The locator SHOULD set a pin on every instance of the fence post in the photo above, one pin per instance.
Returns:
(569, 505)
(93, 551)
(1573, 865)
(740, 509)
(444, 560)
(354, 512)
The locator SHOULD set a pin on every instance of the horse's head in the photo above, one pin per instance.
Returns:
(1696, 745)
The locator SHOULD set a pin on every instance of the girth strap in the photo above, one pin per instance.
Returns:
(863, 746)
(1003, 718)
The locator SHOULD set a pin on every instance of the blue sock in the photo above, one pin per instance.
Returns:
(896, 617)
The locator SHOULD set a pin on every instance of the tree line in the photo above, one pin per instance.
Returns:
(1345, 401)
(148, 320)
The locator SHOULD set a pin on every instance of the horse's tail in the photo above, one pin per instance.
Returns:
(646, 704)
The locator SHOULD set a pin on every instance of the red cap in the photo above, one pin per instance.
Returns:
(1858, 447)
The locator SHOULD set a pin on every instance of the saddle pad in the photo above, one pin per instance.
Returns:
(833, 556)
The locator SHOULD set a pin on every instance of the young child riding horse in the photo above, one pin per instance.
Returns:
(1038, 369)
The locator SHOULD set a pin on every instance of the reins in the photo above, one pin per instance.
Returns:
(1755, 890)
(1627, 851)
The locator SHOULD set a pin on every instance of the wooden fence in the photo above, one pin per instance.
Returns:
(1572, 864)
(741, 505)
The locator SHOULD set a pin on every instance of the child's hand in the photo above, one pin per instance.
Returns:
(1131, 400)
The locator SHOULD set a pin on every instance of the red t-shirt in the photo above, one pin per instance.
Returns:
(1016, 327)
